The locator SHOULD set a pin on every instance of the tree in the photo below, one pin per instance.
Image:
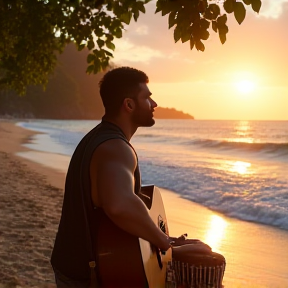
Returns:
(32, 32)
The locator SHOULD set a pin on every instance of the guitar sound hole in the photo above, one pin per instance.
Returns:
(162, 225)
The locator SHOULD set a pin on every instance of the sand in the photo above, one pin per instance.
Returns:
(30, 208)
(31, 194)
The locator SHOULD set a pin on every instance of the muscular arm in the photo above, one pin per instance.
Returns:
(112, 176)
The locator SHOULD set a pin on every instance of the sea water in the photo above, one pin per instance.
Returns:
(238, 168)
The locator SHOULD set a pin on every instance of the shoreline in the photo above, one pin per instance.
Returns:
(247, 246)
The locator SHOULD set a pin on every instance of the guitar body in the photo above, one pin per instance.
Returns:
(127, 261)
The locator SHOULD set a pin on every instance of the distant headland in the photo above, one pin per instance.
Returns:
(170, 113)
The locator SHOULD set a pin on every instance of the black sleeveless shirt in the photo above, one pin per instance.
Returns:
(70, 254)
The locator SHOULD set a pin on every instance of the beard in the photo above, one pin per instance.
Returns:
(143, 118)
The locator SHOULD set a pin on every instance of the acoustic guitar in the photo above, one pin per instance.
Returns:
(127, 261)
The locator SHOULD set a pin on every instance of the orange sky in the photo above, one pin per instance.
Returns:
(244, 79)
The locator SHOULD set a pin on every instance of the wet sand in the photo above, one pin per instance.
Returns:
(31, 194)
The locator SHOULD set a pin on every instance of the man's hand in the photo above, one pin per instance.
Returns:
(189, 250)
(165, 243)
(182, 240)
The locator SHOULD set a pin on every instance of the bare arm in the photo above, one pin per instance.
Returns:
(113, 164)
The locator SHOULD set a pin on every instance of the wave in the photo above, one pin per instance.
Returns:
(277, 149)
(260, 199)
(281, 149)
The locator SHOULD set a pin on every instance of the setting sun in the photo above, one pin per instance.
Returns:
(245, 86)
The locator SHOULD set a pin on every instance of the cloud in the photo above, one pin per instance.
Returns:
(142, 30)
(272, 8)
(127, 51)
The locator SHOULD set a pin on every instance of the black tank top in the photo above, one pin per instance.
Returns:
(70, 254)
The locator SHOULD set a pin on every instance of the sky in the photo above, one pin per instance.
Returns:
(244, 79)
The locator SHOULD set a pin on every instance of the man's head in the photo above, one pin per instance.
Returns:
(126, 88)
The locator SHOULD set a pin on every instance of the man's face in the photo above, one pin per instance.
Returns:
(144, 107)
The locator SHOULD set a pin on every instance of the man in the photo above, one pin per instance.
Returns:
(104, 166)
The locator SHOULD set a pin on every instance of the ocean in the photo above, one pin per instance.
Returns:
(237, 168)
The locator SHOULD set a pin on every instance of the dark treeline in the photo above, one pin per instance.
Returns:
(70, 93)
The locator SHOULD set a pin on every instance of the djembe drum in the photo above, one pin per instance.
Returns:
(199, 270)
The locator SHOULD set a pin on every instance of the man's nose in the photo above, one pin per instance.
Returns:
(153, 103)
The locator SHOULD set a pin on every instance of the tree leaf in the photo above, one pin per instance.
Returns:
(204, 34)
(247, 2)
(171, 19)
(158, 6)
(166, 9)
(212, 12)
(100, 43)
(140, 6)
(168, 6)
(256, 5)
(97, 67)
(177, 34)
(214, 26)
(104, 63)
(185, 36)
(215, 10)
(158, 9)
(222, 19)
(229, 6)
(90, 58)
(204, 23)
(110, 45)
(199, 45)
(90, 44)
(126, 17)
(98, 31)
(191, 43)
(90, 69)
(118, 32)
(108, 53)
(136, 15)
(183, 17)
(80, 47)
(222, 38)
(239, 12)
(223, 29)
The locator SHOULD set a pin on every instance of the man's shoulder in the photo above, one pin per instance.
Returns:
(115, 143)
(115, 149)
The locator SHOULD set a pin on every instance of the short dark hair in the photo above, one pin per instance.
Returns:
(118, 84)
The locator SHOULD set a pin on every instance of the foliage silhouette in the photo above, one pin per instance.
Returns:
(33, 31)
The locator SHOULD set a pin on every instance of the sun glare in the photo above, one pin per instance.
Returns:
(245, 86)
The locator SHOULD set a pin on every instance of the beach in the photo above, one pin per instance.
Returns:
(31, 194)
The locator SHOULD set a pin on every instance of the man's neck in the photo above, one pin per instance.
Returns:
(123, 124)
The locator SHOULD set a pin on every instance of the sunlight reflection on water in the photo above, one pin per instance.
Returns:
(243, 131)
(216, 232)
(240, 167)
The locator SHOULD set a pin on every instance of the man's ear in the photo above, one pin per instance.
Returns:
(129, 104)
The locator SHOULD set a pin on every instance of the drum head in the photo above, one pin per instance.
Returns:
(212, 259)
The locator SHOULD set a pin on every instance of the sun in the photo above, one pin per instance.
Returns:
(245, 86)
